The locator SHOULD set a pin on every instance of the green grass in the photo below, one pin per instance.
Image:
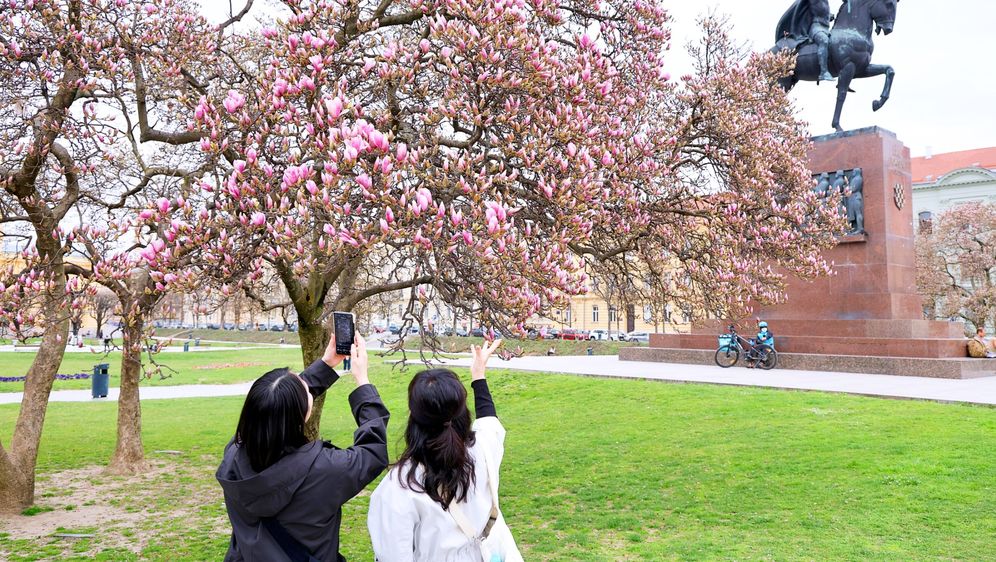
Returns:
(224, 366)
(450, 344)
(531, 347)
(600, 469)
(201, 367)
(244, 336)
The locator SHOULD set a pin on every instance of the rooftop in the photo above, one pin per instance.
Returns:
(928, 169)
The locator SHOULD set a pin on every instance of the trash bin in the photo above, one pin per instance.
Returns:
(186, 346)
(98, 383)
(197, 342)
(590, 350)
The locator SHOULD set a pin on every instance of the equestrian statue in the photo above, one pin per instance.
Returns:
(843, 51)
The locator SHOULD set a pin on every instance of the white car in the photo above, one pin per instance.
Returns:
(600, 335)
(640, 337)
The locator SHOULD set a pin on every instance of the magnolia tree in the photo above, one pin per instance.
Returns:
(486, 153)
(160, 256)
(728, 211)
(956, 263)
(94, 89)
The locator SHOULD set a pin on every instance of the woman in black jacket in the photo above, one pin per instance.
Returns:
(284, 494)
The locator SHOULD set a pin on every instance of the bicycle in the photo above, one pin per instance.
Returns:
(732, 345)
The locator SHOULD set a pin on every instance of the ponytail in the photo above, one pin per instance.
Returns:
(438, 437)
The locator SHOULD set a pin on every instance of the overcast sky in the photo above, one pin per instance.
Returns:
(944, 54)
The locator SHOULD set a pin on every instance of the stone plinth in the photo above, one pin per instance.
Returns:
(867, 315)
(960, 368)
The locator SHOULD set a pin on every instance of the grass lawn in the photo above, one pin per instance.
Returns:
(451, 344)
(245, 336)
(532, 347)
(595, 470)
(201, 367)
(242, 365)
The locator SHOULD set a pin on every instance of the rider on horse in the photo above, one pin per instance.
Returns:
(809, 19)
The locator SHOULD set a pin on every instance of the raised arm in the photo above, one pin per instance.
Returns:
(484, 405)
(357, 466)
(320, 375)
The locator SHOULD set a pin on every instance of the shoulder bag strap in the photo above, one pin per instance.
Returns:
(291, 547)
(461, 520)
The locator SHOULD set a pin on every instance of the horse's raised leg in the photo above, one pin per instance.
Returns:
(878, 70)
(843, 84)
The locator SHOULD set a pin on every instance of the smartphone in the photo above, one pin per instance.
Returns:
(342, 323)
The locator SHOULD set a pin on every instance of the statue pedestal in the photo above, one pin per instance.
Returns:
(867, 317)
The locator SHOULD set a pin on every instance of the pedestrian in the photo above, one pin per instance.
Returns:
(440, 501)
(284, 493)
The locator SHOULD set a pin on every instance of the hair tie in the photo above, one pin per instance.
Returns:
(448, 424)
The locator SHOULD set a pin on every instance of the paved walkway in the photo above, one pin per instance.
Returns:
(977, 391)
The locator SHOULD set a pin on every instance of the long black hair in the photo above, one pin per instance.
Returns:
(438, 438)
(272, 420)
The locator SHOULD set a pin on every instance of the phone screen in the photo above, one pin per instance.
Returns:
(343, 326)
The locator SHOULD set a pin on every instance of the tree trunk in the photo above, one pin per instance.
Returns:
(129, 454)
(17, 465)
(313, 342)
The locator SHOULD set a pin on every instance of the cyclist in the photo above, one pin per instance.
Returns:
(764, 337)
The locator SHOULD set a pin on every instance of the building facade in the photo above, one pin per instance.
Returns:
(943, 181)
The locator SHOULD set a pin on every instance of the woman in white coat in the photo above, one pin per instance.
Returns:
(439, 502)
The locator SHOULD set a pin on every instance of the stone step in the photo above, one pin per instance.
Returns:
(951, 368)
(847, 328)
(863, 346)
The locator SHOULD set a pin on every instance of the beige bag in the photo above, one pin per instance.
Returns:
(976, 348)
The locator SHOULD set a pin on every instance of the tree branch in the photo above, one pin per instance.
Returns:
(349, 302)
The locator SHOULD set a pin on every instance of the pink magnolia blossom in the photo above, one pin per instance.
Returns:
(234, 101)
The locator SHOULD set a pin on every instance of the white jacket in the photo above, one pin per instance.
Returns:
(408, 526)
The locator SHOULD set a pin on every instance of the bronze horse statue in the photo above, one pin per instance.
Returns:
(850, 49)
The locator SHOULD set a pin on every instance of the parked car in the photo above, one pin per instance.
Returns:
(394, 329)
(598, 335)
(460, 332)
(552, 334)
(477, 332)
(640, 337)
(572, 334)
(212, 326)
(276, 328)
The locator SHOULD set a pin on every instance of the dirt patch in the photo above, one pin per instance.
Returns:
(120, 511)
(226, 366)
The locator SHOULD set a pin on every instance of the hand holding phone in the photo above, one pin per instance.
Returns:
(345, 332)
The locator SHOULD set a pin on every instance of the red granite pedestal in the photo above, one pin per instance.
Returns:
(867, 317)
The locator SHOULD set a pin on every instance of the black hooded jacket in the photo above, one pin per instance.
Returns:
(305, 490)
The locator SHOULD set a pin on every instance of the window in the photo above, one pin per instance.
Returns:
(613, 315)
(648, 313)
(567, 316)
(594, 313)
(926, 222)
